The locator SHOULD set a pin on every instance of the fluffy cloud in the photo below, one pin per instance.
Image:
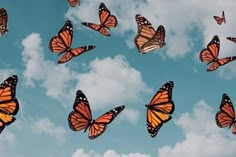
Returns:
(46, 126)
(202, 136)
(5, 73)
(109, 153)
(7, 142)
(131, 115)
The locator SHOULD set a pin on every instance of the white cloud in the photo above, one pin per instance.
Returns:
(202, 136)
(46, 126)
(108, 153)
(7, 142)
(5, 73)
(131, 115)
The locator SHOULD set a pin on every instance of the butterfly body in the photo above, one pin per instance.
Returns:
(3, 21)
(160, 108)
(226, 116)
(107, 21)
(210, 54)
(81, 117)
(147, 38)
(61, 44)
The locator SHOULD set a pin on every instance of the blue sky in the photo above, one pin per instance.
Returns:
(46, 90)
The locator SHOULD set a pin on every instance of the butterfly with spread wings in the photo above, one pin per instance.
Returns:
(233, 39)
(62, 44)
(3, 21)
(210, 55)
(73, 3)
(147, 38)
(107, 21)
(81, 117)
(160, 108)
(220, 20)
(9, 105)
(226, 116)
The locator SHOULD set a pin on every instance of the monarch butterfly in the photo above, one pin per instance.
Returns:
(220, 20)
(81, 117)
(148, 39)
(210, 55)
(107, 21)
(160, 108)
(74, 2)
(3, 21)
(62, 44)
(232, 39)
(9, 105)
(226, 116)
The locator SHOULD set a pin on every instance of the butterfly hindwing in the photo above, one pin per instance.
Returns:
(160, 108)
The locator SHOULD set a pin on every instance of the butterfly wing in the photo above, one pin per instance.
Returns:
(223, 16)
(96, 27)
(107, 20)
(226, 116)
(220, 62)
(73, 3)
(9, 105)
(160, 108)
(99, 125)
(62, 42)
(74, 52)
(81, 117)
(3, 21)
(233, 39)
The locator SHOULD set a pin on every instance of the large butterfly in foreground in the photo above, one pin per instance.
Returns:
(210, 55)
(160, 108)
(148, 39)
(81, 117)
(220, 20)
(107, 21)
(62, 44)
(9, 105)
(73, 3)
(226, 116)
(3, 21)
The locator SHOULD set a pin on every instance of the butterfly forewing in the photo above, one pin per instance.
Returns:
(3, 21)
(233, 39)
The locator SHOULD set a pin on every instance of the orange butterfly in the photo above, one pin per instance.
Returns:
(220, 20)
(107, 21)
(233, 39)
(81, 117)
(210, 55)
(9, 105)
(3, 21)
(160, 108)
(148, 39)
(62, 44)
(226, 116)
(74, 2)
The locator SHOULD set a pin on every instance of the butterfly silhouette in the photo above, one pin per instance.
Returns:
(160, 108)
(81, 117)
(62, 44)
(107, 21)
(220, 20)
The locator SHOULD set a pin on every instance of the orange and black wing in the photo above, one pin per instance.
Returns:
(233, 39)
(74, 52)
(220, 62)
(220, 20)
(9, 105)
(99, 125)
(73, 3)
(3, 21)
(226, 116)
(81, 117)
(147, 38)
(160, 108)
(62, 42)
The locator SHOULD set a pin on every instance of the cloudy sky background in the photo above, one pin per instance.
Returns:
(46, 90)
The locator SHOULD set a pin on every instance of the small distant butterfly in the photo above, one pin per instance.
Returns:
(81, 117)
(233, 39)
(9, 105)
(73, 3)
(148, 39)
(62, 44)
(107, 21)
(160, 108)
(220, 20)
(226, 116)
(210, 55)
(3, 21)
